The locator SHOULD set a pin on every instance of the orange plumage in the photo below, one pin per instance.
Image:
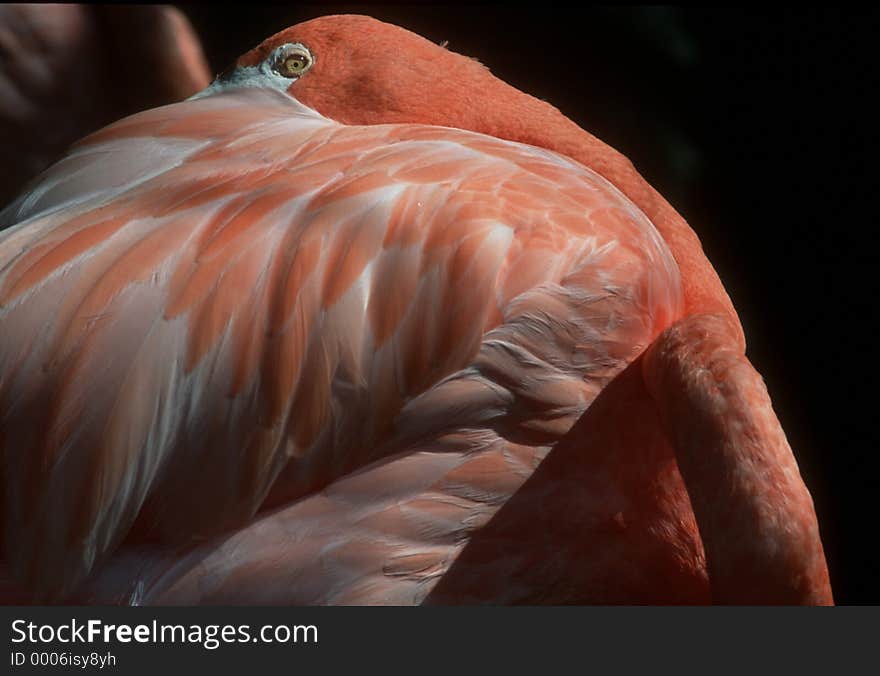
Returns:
(389, 331)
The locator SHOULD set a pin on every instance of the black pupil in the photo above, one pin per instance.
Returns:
(292, 64)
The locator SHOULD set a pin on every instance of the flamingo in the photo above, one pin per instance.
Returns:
(65, 71)
(362, 324)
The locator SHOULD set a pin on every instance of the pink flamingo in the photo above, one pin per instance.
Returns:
(66, 70)
(361, 323)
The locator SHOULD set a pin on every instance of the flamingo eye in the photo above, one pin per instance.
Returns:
(293, 63)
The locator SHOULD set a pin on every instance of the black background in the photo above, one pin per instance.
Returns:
(748, 121)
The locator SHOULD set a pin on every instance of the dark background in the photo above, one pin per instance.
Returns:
(747, 121)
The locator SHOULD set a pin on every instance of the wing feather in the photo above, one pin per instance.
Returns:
(232, 301)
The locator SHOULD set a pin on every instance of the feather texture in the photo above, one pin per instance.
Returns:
(233, 301)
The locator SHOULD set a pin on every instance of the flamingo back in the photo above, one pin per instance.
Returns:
(234, 303)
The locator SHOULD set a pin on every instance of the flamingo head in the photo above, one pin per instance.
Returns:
(358, 70)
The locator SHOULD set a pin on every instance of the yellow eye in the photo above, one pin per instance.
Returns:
(293, 64)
